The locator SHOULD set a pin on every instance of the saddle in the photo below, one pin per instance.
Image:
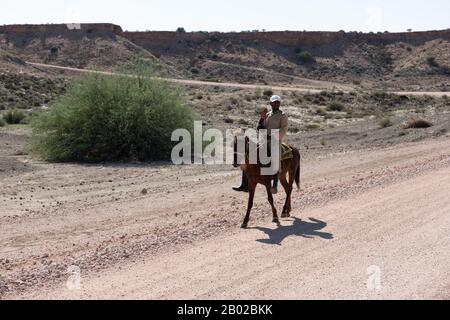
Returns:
(285, 153)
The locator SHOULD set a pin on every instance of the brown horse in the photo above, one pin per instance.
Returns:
(253, 171)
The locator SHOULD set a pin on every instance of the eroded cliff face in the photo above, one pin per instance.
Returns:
(60, 28)
(286, 38)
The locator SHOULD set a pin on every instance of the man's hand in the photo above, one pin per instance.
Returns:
(264, 114)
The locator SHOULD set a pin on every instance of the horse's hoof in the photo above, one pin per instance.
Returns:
(275, 220)
(244, 226)
(286, 215)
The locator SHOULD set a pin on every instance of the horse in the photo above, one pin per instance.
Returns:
(289, 166)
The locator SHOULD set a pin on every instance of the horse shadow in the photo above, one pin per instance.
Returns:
(299, 228)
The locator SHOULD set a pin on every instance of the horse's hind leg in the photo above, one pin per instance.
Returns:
(290, 184)
(270, 198)
(287, 186)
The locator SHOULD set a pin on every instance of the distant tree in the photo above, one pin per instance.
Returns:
(181, 30)
(409, 30)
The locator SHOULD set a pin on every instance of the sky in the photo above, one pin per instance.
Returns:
(236, 15)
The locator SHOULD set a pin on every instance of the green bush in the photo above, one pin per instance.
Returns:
(111, 118)
(385, 122)
(335, 106)
(312, 126)
(305, 57)
(432, 62)
(2, 122)
(321, 112)
(14, 117)
(268, 93)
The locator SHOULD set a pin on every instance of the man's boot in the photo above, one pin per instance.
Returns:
(244, 184)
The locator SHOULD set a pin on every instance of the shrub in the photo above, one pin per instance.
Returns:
(321, 112)
(432, 62)
(335, 106)
(385, 122)
(215, 38)
(418, 124)
(386, 58)
(181, 30)
(14, 117)
(2, 122)
(111, 118)
(268, 93)
(228, 120)
(305, 57)
(243, 122)
(312, 126)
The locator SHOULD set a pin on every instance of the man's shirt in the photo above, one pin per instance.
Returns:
(277, 120)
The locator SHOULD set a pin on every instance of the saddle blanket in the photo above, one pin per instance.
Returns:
(286, 152)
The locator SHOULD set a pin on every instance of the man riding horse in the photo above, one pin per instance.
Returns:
(254, 172)
(274, 120)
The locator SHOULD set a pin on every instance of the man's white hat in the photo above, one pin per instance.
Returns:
(275, 98)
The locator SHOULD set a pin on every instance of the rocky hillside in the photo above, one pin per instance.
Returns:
(95, 46)
(405, 61)
(412, 60)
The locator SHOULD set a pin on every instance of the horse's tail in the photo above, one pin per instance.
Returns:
(297, 172)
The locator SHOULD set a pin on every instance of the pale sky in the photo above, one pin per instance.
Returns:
(236, 15)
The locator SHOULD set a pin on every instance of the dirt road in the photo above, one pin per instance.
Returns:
(311, 86)
(383, 211)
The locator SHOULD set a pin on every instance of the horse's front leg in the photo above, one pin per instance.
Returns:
(251, 195)
(270, 198)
